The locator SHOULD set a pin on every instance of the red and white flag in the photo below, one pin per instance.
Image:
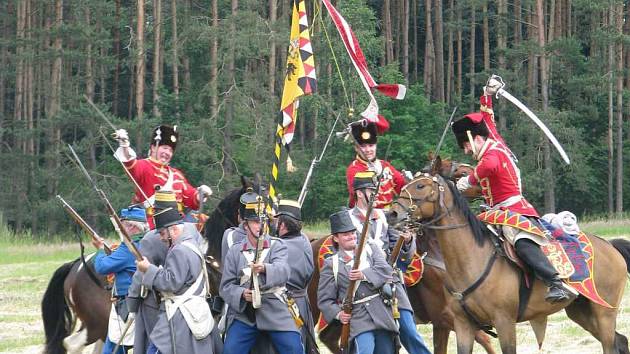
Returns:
(350, 41)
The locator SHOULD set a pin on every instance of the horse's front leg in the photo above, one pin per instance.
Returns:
(465, 334)
(506, 330)
(440, 339)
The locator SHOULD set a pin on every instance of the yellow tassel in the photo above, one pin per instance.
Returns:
(290, 167)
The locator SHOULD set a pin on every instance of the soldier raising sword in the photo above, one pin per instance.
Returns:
(500, 180)
(154, 172)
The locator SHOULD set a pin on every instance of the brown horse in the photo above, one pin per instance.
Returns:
(471, 258)
(427, 298)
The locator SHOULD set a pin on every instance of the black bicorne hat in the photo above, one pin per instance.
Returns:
(472, 122)
(249, 206)
(363, 180)
(290, 208)
(364, 132)
(165, 135)
(341, 222)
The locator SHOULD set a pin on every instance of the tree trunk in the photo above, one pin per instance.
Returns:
(405, 41)
(229, 113)
(502, 30)
(89, 71)
(619, 75)
(140, 66)
(116, 79)
(518, 19)
(532, 62)
(486, 37)
(157, 48)
(460, 56)
(4, 56)
(273, 11)
(544, 88)
(214, 50)
(389, 40)
(471, 68)
(439, 52)
(175, 57)
(449, 65)
(414, 6)
(429, 52)
(611, 147)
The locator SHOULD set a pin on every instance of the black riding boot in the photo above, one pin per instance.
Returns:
(531, 254)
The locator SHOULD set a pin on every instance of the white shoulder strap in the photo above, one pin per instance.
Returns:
(335, 265)
(230, 238)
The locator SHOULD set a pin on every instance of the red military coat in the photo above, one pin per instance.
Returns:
(500, 179)
(150, 173)
(390, 187)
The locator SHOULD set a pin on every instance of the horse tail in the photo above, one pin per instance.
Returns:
(623, 246)
(56, 313)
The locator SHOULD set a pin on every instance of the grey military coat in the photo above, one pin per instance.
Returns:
(231, 236)
(181, 268)
(367, 316)
(387, 238)
(273, 315)
(302, 267)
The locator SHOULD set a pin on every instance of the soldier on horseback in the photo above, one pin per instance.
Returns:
(121, 263)
(385, 238)
(500, 180)
(154, 172)
(365, 137)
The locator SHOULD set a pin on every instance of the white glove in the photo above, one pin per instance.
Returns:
(463, 184)
(204, 192)
(493, 85)
(122, 136)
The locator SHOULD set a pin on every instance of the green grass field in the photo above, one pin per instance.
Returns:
(26, 266)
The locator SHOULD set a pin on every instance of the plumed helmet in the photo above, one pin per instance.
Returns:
(165, 135)
(363, 180)
(472, 122)
(364, 132)
(290, 208)
(341, 222)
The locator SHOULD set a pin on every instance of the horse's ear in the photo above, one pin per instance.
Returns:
(245, 182)
(437, 166)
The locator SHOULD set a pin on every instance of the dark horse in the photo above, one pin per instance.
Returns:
(73, 293)
(471, 258)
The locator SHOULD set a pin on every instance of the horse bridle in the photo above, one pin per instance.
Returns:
(438, 204)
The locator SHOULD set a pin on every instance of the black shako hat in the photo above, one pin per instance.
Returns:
(250, 205)
(341, 222)
(165, 135)
(471, 122)
(290, 208)
(166, 211)
(364, 132)
(363, 180)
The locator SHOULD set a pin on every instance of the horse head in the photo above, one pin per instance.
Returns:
(424, 200)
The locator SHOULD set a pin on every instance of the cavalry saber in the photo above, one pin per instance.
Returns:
(439, 145)
(539, 123)
(99, 112)
(113, 217)
(314, 162)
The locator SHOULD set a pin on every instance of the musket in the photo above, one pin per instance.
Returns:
(314, 162)
(113, 216)
(255, 285)
(503, 93)
(84, 225)
(439, 145)
(349, 298)
(124, 333)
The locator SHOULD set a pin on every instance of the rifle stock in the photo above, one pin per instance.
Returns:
(349, 298)
(84, 225)
(113, 216)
